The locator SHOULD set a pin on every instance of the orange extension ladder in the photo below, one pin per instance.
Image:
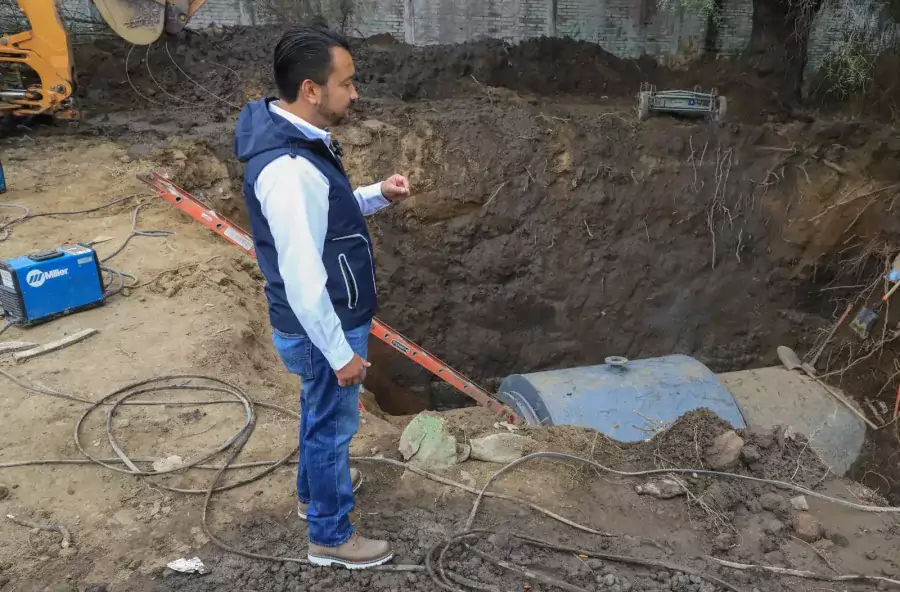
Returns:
(188, 204)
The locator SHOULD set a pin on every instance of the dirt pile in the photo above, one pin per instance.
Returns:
(218, 69)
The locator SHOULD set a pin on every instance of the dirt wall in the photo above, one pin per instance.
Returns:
(549, 228)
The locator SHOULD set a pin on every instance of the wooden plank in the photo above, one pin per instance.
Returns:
(7, 347)
(55, 345)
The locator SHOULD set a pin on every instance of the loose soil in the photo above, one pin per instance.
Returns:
(548, 229)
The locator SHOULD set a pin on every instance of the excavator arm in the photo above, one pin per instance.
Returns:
(46, 50)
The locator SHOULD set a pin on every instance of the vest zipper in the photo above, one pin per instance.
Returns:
(368, 250)
(349, 282)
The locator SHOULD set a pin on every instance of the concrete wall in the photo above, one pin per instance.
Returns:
(734, 27)
(627, 28)
(229, 12)
(618, 25)
(864, 20)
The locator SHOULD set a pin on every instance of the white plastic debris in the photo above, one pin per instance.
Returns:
(168, 464)
(501, 448)
(188, 566)
(799, 503)
(661, 489)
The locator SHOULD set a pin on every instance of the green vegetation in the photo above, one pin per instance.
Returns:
(848, 69)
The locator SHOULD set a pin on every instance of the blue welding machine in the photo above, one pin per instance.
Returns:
(45, 285)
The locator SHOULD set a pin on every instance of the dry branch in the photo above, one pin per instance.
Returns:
(852, 199)
(54, 345)
(62, 530)
(808, 575)
(496, 192)
(836, 168)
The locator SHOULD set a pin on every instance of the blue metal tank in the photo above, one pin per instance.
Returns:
(626, 401)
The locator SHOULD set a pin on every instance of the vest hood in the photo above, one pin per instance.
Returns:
(259, 131)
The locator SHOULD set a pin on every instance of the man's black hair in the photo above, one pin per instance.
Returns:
(304, 53)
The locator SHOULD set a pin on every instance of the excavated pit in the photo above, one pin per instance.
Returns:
(549, 228)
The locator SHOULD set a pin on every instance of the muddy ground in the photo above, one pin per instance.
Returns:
(548, 229)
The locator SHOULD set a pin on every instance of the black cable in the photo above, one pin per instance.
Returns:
(4, 228)
(115, 281)
(440, 574)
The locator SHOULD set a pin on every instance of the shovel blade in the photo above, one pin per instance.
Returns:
(864, 322)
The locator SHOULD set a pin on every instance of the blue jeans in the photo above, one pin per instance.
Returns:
(329, 418)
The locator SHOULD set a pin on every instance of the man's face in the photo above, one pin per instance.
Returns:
(339, 92)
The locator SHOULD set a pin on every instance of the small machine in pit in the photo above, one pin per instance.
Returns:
(682, 102)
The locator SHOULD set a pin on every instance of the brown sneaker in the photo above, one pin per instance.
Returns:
(357, 553)
(356, 477)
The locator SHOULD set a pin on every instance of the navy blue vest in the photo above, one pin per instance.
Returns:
(261, 137)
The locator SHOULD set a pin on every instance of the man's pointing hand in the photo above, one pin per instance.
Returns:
(395, 188)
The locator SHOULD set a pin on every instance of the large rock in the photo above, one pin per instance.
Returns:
(725, 451)
(800, 503)
(773, 502)
(501, 448)
(807, 527)
(661, 489)
(750, 454)
(427, 444)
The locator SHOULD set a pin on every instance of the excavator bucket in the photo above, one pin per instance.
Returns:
(137, 21)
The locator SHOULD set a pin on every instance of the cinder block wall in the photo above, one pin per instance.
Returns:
(626, 28)
(735, 27)
(867, 21)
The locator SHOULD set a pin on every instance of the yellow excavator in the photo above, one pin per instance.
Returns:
(47, 52)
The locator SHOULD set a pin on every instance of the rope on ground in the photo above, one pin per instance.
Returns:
(172, 270)
(235, 451)
(807, 575)
(482, 493)
(472, 490)
(442, 577)
(779, 484)
(156, 384)
(90, 463)
(627, 559)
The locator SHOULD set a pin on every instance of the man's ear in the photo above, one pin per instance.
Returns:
(309, 90)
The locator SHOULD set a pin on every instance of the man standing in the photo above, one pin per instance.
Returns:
(314, 250)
